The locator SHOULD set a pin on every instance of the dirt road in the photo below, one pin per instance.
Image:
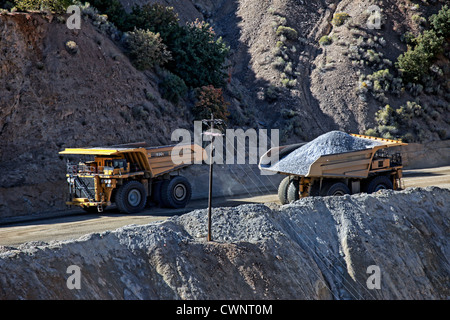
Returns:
(79, 223)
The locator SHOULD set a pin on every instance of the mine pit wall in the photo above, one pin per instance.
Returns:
(316, 248)
(231, 180)
(431, 154)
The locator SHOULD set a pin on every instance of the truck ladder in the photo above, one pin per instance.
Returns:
(79, 184)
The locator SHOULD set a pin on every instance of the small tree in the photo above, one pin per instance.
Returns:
(114, 10)
(415, 62)
(58, 6)
(210, 100)
(154, 17)
(288, 32)
(199, 56)
(339, 18)
(172, 87)
(440, 22)
(146, 49)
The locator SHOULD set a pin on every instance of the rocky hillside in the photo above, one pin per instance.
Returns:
(53, 98)
(299, 66)
(316, 248)
(306, 86)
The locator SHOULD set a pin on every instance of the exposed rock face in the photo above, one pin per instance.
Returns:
(316, 248)
(51, 99)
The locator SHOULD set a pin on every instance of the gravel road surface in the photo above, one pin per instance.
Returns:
(79, 223)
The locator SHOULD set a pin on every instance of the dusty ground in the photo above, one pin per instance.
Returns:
(80, 223)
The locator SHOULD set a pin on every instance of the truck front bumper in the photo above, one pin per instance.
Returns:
(85, 203)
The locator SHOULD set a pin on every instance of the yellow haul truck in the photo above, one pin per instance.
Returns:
(367, 170)
(129, 175)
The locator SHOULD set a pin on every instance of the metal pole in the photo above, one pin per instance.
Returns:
(210, 180)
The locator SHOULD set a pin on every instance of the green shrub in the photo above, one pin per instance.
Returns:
(7, 5)
(146, 49)
(418, 19)
(288, 32)
(415, 62)
(71, 47)
(172, 87)
(271, 93)
(371, 132)
(154, 17)
(385, 116)
(59, 6)
(199, 56)
(279, 63)
(339, 18)
(325, 41)
(140, 112)
(289, 83)
(114, 10)
(399, 123)
(378, 84)
(440, 22)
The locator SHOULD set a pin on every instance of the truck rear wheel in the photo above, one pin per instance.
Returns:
(176, 192)
(335, 189)
(293, 190)
(283, 189)
(379, 183)
(131, 197)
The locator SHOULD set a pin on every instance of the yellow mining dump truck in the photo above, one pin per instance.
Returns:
(346, 164)
(130, 175)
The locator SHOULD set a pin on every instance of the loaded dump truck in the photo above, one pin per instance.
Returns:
(130, 175)
(335, 164)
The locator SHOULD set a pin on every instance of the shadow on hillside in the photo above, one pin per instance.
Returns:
(269, 112)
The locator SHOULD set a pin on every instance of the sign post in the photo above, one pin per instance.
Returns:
(213, 134)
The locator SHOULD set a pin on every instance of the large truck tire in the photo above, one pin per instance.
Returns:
(283, 189)
(176, 192)
(379, 183)
(293, 190)
(334, 189)
(131, 197)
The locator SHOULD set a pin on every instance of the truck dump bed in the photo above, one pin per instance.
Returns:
(319, 158)
(153, 161)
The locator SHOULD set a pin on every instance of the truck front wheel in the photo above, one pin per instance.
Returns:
(131, 197)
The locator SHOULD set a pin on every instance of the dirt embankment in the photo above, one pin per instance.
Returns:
(52, 98)
(316, 248)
